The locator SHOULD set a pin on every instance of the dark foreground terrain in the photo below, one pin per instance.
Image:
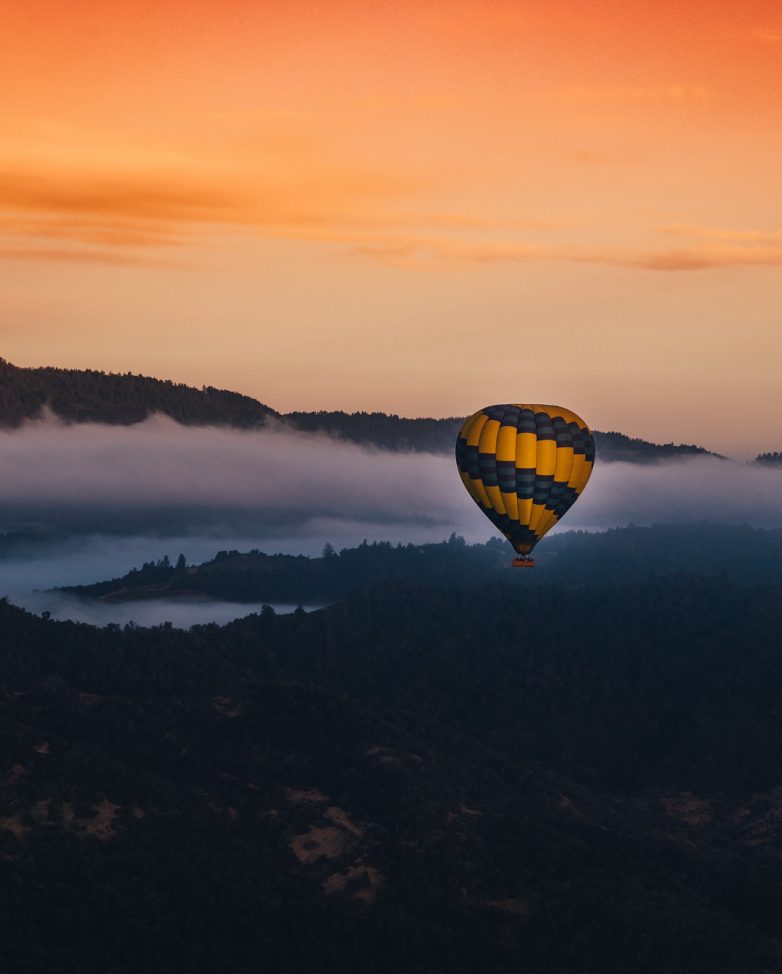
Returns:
(493, 778)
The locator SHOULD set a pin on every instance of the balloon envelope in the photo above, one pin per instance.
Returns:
(525, 466)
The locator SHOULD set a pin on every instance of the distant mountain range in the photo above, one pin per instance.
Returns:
(84, 396)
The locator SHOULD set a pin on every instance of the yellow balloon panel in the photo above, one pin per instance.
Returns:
(525, 465)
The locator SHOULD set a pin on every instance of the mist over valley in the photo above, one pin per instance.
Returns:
(81, 502)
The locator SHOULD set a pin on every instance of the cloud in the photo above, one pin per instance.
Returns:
(111, 216)
(445, 253)
(158, 475)
(722, 248)
(696, 489)
(83, 256)
(159, 207)
(429, 255)
(110, 498)
(105, 220)
(116, 195)
(181, 613)
(760, 237)
(119, 233)
(159, 463)
(706, 258)
(117, 218)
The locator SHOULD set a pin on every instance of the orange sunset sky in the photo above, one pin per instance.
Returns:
(420, 207)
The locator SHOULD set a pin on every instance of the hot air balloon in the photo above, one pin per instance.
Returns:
(524, 466)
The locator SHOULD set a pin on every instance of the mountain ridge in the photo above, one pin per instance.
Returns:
(123, 399)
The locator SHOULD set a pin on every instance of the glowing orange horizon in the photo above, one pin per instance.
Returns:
(344, 205)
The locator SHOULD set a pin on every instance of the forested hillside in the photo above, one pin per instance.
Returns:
(439, 435)
(380, 429)
(769, 459)
(90, 396)
(103, 397)
(482, 779)
(576, 558)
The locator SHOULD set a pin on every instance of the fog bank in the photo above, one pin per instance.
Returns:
(277, 484)
(181, 613)
(111, 498)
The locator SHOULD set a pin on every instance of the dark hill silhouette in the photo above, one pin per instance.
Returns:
(745, 554)
(119, 399)
(769, 459)
(123, 399)
(584, 781)
(438, 435)
(617, 446)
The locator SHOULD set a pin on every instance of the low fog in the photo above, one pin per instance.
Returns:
(109, 498)
(309, 483)
(159, 463)
(180, 613)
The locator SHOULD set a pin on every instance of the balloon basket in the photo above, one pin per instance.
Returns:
(523, 563)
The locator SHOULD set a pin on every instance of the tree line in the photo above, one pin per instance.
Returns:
(124, 398)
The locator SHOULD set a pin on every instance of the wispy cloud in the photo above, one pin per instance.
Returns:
(80, 255)
(423, 253)
(114, 218)
(112, 208)
(761, 237)
(106, 219)
(131, 196)
(311, 484)
(443, 252)
(717, 247)
(707, 258)
(118, 233)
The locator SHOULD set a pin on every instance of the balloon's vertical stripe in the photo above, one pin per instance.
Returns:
(487, 459)
(524, 465)
(544, 467)
(476, 428)
(506, 462)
